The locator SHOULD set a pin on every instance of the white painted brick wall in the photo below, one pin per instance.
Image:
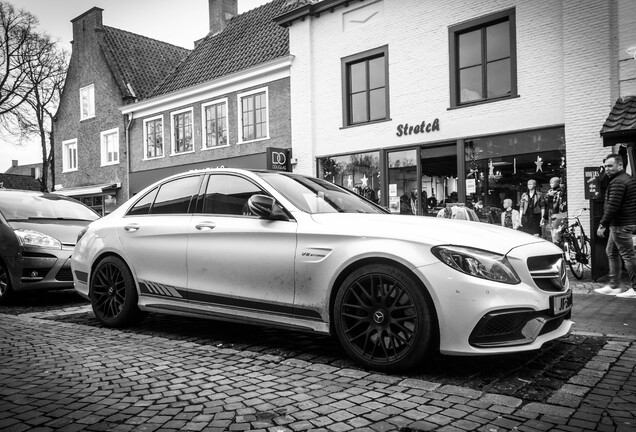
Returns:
(564, 62)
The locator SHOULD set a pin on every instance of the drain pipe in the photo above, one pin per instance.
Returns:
(128, 158)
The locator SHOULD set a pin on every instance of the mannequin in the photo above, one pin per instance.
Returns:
(532, 209)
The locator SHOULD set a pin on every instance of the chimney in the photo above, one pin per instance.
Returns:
(14, 163)
(221, 12)
(85, 25)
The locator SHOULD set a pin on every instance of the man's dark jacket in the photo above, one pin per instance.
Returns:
(620, 201)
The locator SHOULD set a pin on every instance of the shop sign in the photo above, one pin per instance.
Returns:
(591, 186)
(424, 127)
(278, 159)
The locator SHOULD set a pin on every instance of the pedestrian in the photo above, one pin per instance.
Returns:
(510, 217)
(532, 209)
(619, 215)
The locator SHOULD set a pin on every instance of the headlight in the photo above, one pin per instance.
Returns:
(478, 263)
(81, 233)
(34, 238)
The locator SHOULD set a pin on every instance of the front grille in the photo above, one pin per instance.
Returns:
(64, 275)
(513, 327)
(548, 272)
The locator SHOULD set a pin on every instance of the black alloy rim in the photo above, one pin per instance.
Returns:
(379, 318)
(109, 291)
(4, 281)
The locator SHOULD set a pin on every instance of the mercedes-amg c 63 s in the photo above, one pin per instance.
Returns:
(288, 250)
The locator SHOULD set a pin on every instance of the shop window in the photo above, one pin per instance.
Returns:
(483, 59)
(69, 155)
(499, 167)
(254, 118)
(182, 132)
(110, 147)
(153, 138)
(358, 172)
(366, 87)
(215, 125)
(87, 102)
(403, 182)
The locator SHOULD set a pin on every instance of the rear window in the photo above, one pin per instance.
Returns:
(24, 206)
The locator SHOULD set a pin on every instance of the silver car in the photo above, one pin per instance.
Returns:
(288, 250)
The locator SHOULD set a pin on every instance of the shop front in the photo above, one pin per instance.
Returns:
(476, 172)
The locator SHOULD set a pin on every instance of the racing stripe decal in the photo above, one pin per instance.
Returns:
(158, 289)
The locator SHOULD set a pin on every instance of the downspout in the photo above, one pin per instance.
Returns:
(128, 126)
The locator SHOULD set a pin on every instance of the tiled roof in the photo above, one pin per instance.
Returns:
(249, 39)
(139, 63)
(23, 169)
(622, 119)
(15, 181)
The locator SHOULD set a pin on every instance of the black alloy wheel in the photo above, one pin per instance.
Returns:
(5, 285)
(383, 318)
(113, 294)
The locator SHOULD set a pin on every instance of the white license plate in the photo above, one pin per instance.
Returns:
(561, 303)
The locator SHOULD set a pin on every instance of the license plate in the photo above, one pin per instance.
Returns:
(561, 303)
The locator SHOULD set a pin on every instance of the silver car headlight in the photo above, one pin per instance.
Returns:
(34, 238)
(478, 263)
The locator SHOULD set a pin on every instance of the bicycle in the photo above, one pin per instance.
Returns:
(576, 245)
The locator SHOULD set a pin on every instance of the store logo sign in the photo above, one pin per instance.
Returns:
(424, 127)
(277, 159)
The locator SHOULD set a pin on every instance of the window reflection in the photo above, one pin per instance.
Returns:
(358, 172)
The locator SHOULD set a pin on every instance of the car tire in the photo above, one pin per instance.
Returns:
(113, 294)
(383, 318)
(6, 292)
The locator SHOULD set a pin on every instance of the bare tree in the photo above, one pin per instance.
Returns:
(16, 32)
(38, 69)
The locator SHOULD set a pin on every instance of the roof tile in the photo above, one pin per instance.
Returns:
(622, 118)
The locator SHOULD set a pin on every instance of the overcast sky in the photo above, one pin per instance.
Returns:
(177, 22)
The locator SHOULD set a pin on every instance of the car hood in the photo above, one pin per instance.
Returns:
(427, 230)
(64, 230)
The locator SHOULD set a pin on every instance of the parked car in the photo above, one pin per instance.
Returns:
(287, 250)
(38, 232)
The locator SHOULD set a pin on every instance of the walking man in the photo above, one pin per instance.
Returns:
(620, 216)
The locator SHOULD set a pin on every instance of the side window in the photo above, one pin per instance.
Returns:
(228, 194)
(143, 205)
(174, 197)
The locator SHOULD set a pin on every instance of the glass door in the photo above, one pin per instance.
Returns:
(403, 182)
(439, 178)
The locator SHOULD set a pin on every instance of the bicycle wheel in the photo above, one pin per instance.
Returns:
(579, 249)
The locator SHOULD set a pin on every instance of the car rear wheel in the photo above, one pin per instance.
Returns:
(5, 285)
(383, 318)
(113, 294)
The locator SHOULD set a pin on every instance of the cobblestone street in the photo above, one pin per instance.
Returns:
(65, 376)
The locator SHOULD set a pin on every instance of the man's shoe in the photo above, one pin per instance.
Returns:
(608, 290)
(630, 293)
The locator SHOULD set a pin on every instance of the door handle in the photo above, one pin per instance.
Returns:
(205, 226)
(131, 228)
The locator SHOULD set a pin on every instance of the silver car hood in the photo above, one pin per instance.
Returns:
(428, 230)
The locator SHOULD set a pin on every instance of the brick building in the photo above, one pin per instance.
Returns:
(227, 104)
(108, 68)
(424, 103)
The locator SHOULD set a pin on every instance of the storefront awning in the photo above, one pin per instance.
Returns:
(620, 126)
(88, 190)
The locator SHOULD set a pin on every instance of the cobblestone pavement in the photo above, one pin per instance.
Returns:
(69, 376)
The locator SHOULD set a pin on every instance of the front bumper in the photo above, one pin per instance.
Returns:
(477, 316)
(41, 269)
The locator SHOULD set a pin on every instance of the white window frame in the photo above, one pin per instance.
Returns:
(240, 114)
(66, 163)
(172, 139)
(104, 146)
(88, 92)
(204, 123)
(163, 138)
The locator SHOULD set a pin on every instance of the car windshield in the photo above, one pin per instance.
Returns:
(314, 195)
(25, 206)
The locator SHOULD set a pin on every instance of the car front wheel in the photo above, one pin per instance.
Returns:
(383, 318)
(5, 285)
(113, 294)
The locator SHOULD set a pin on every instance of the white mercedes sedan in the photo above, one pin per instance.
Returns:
(282, 249)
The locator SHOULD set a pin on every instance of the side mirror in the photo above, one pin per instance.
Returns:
(265, 207)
